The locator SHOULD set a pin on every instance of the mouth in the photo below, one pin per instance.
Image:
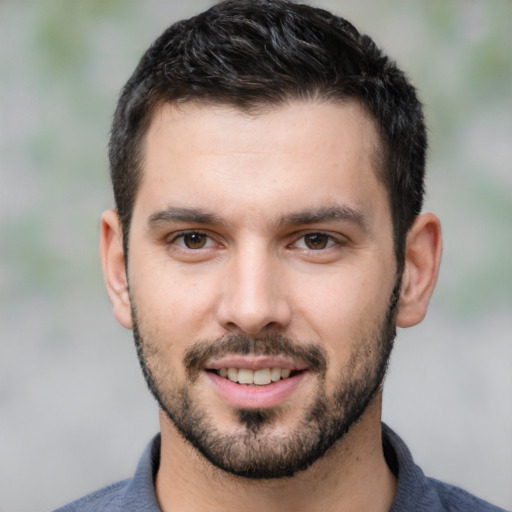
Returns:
(261, 377)
(263, 373)
(255, 383)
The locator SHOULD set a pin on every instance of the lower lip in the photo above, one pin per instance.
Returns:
(255, 397)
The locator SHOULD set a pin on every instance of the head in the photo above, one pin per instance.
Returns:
(258, 55)
(267, 163)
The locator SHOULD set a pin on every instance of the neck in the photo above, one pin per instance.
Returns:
(351, 476)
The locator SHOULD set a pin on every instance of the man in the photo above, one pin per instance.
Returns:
(268, 164)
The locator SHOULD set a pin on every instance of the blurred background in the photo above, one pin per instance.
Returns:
(74, 411)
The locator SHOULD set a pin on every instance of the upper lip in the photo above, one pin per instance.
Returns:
(254, 363)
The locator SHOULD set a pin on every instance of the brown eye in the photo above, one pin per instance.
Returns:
(194, 240)
(316, 241)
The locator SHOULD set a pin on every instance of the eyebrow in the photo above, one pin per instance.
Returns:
(189, 215)
(304, 217)
(326, 214)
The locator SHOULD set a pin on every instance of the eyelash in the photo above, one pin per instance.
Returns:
(184, 234)
(329, 240)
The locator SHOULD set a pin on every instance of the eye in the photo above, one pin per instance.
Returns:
(193, 240)
(315, 242)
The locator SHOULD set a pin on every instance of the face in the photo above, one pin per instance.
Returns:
(262, 279)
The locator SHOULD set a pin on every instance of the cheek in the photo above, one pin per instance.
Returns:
(343, 307)
(172, 304)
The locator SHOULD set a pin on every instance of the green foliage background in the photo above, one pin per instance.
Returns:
(62, 64)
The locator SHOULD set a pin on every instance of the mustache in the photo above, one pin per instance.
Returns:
(197, 355)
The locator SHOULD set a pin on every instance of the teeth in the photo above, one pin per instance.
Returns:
(245, 376)
(259, 377)
(275, 374)
(262, 377)
(285, 374)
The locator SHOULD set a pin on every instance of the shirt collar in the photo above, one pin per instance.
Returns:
(413, 487)
(140, 493)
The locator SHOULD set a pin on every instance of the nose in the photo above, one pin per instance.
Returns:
(253, 297)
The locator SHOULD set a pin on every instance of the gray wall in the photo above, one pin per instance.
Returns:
(74, 411)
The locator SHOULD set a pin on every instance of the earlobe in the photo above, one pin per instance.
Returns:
(114, 267)
(422, 260)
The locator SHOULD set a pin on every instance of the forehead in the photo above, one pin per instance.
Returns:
(270, 160)
(294, 120)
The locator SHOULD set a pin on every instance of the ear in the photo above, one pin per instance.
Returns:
(422, 259)
(114, 267)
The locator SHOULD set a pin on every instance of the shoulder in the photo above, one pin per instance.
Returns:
(455, 499)
(417, 492)
(134, 494)
(107, 499)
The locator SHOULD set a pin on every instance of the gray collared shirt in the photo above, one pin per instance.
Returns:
(415, 492)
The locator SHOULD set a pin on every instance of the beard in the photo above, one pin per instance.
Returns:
(258, 447)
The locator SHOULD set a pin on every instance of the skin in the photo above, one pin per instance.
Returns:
(256, 275)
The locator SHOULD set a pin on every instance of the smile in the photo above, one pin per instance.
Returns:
(249, 377)
(255, 382)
